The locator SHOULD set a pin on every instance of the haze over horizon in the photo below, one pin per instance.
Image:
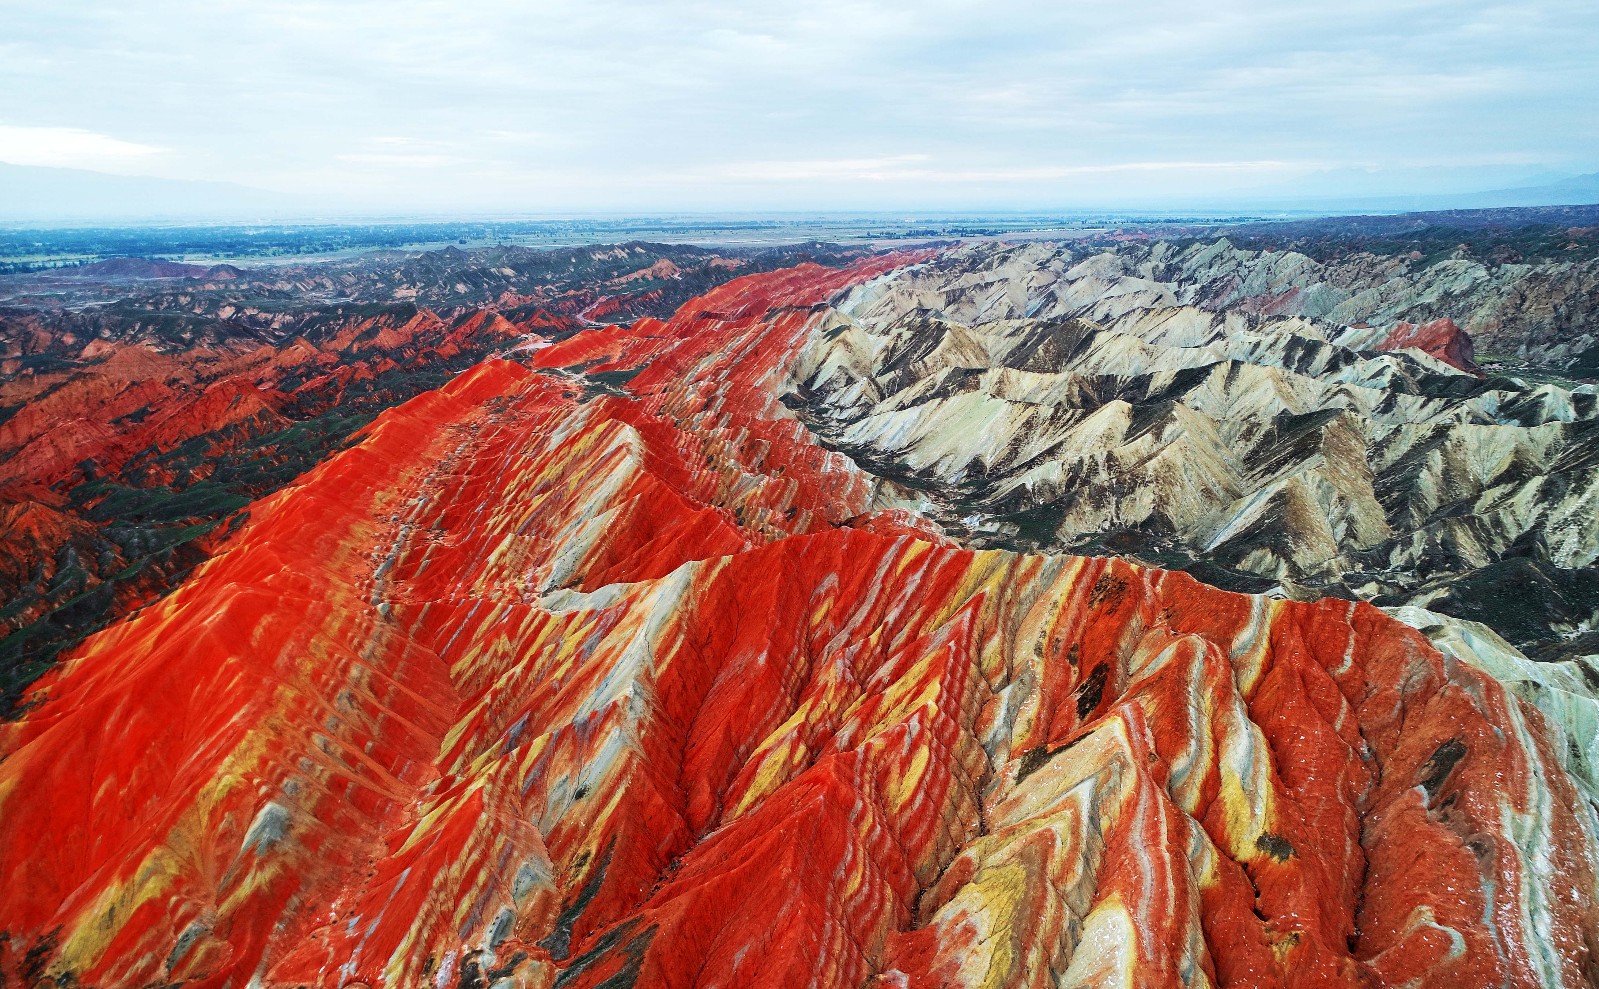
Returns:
(424, 107)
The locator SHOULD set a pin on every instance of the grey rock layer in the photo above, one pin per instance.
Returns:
(1028, 398)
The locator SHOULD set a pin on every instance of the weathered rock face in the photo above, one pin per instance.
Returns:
(142, 454)
(603, 671)
(1441, 339)
(1545, 311)
(1036, 403)
(149, 402)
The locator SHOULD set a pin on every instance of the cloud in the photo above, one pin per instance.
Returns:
(792, 171)
(583, 104)
(70, 147)
(894, 168)
(402, 159)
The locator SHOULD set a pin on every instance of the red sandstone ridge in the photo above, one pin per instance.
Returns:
(606, 673)
(1440, 338)
(31, 538)
(154, 419)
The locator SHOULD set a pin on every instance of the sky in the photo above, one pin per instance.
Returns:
(403, 106)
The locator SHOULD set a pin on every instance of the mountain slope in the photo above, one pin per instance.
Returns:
(153, 402)
(596, 668)
(1037, 399)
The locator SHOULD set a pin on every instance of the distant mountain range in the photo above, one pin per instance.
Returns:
(1577, 190)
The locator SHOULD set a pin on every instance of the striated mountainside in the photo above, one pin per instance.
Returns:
(134, 457)
(145, 403)
(1541, 310)
(1033, 400)
(597, 667)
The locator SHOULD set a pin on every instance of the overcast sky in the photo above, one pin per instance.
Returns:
(607, 104)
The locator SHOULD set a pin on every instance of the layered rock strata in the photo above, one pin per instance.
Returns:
(604, 671)
(1036, 402)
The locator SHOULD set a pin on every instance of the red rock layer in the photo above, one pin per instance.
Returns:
(536, 688)
(32, 536)
(131, 417)
(1441, 338)
(132, 402)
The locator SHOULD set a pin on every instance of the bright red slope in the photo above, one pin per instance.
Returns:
(536, 688)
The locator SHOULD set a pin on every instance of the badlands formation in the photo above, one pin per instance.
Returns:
(746, 647)
(1041, 397)
(143, 404)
